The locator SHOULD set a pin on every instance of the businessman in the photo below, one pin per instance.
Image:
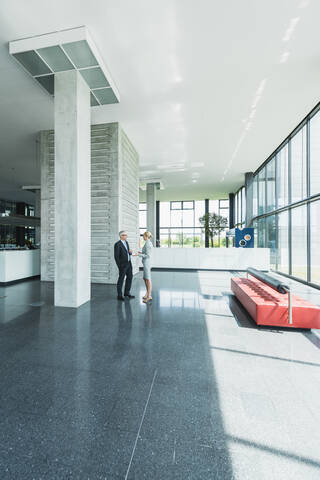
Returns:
(122, 256)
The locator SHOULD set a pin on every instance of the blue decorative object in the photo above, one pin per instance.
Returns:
(244, 237)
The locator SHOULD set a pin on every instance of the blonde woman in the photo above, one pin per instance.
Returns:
(146, 262)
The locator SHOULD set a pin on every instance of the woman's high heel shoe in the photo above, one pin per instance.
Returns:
(147, 299)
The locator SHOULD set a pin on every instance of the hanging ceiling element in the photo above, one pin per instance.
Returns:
(45, 55)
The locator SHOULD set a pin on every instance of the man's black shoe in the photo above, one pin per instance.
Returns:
(121, 298)
(130, 296)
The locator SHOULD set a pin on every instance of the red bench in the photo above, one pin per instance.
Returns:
(269, 307)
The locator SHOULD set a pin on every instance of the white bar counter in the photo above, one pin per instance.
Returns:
(211, 258)
(19, 264)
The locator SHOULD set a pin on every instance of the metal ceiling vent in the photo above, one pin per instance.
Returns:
(45, 55)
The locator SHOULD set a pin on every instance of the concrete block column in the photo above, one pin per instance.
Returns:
(38, 214)
(151, 207)
(72, 190)
(114, 200)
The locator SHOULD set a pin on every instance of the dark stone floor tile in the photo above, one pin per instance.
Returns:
(152, 458)
(126, 414)
(79, 446)
(77, 381)
(88, 398)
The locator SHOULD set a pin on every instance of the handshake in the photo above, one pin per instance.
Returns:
(134, 254)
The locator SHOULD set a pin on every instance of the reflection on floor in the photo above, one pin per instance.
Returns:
(185, 388)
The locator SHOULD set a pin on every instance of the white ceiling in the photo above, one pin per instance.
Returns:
(208, 88)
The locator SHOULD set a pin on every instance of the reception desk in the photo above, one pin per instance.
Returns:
(18, 264)
(211, 258)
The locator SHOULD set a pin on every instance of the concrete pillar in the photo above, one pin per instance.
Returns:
(151, 208)
(37, 213)
(46, 139)
(249, 197)
(157, 239)
(114, 200)
(72, 190)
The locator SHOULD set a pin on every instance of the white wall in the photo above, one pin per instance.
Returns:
(212, 258)
(18, 264)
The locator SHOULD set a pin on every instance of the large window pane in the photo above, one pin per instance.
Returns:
(220, 239)
(315, 235)
(176, 218)
(299, 242)
(176, 236)
(199, 238)
(164, 214)
(299, 166)
(143, 219)
(255, 231)
(255, 196)
(188, 205)
(199, 209)
(271, 239)
(283, 242)
(164, 237)
(188, 218)
(261, 232)
(262, 191)
(224, 212)
(243, 190)
(188, 238)
(224, 209)
(214, 206)
(176, 205)
(282, 176)
(271, 185)
(315, 154)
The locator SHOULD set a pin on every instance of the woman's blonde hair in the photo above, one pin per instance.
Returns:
(148, 234)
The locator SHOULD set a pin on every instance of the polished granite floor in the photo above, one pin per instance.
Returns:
(185, 388)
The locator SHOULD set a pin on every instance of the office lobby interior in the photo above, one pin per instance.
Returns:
(200, 124)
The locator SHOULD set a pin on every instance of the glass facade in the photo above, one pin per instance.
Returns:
(142, 218)
(314, 241)
(10, 235)
(240, 207)
(271, 185)
(282, 177)
(271, 239)
(179, 224)
(286, 203)
(261, 191)
(299, 165)
(315, 154)
(282, 242)
(221, 207)
(299, 242)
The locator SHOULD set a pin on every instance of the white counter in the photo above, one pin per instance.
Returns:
(211, 258)
(18, 264)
